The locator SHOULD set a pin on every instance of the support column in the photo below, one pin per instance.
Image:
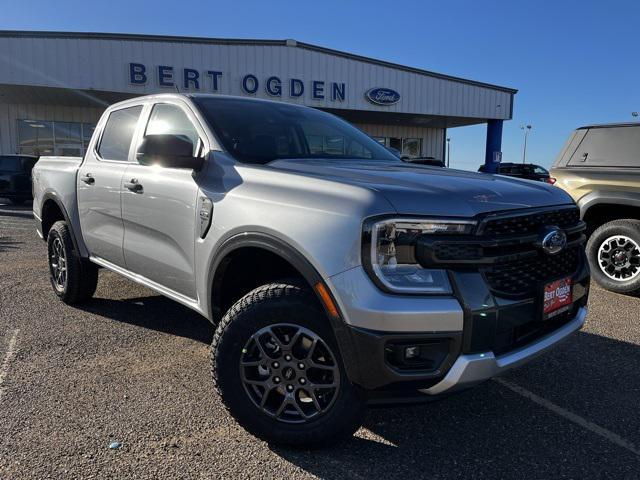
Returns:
(494, 144)
(444, 146)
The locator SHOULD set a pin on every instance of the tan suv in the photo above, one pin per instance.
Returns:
(599, 166)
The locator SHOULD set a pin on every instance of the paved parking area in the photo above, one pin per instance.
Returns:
(133, 367)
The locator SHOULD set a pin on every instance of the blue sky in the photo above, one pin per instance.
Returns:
(573, 62)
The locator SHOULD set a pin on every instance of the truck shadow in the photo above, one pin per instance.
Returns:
(7, 244)
(486, 432)
(155, 313)
(492, 432)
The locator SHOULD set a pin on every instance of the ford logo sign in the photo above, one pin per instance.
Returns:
(553, 240)
(382, 96)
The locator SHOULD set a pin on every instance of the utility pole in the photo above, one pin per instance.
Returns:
(527, 129)
(448, 152)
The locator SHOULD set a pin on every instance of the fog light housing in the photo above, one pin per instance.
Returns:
(421, 354)
(411, 352)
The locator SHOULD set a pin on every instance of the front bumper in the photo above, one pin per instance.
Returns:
(467, 339)
(469, 370)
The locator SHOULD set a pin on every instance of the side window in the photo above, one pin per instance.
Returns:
(169, 119)
(610, 146)
(118, 133)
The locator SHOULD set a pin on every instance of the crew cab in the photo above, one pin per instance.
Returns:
(334, 277)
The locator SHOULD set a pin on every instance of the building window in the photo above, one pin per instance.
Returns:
(405, 147)
(396, 144)
(411, 147)
(40, 137)
(35, 137)
(334, 145)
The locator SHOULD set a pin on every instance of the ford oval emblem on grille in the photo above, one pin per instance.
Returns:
(553, 240)
(382, 96)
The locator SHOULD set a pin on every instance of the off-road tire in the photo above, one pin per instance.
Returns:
(629, 228)
(275, 304)
(81, 275)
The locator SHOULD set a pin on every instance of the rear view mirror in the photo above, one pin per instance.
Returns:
(170, 151)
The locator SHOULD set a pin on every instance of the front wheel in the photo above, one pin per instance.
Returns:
(72, 278)
(613, 251)
(276, 366)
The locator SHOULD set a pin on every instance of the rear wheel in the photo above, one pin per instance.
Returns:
(72, 278)
(277, 368)
(614, 255)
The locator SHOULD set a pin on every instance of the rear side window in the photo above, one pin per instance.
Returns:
(611, 147)
(118, 133)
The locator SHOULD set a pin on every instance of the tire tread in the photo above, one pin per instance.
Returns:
(254, 299)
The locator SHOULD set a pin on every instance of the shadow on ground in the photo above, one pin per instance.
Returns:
(485, 432)
(491, 432)
(155, 313)
(6, 244)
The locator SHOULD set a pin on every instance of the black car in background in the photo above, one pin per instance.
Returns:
(15, 177)
(529, 171)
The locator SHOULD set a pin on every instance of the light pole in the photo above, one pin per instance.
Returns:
(527, 129)
(448, 152)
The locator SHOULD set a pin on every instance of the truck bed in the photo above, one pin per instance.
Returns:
(54, 178)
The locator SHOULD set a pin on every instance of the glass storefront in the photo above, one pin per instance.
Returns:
(41, 137)
(408, 147)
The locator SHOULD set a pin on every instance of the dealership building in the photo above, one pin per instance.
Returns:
(54, 87)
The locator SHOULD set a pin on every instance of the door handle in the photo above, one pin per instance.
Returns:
(88, 179)
(134, 186)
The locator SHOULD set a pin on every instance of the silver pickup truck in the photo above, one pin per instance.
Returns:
(336, 275)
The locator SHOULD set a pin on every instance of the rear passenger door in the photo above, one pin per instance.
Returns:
(160, 212)
(99, 185)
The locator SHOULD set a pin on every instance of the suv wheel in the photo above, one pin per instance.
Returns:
(277, 369)
(72, 278)
(614, 255)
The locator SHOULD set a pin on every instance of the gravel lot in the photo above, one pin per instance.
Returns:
(133, 367)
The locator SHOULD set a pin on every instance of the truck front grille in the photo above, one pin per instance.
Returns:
(524, 224)
(506, 250)
(527, 276)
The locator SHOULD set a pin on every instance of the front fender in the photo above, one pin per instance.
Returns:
(596, 197)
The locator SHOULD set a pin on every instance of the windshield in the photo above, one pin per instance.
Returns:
(259, 132)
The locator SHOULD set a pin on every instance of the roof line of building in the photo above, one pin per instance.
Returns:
(239, 41)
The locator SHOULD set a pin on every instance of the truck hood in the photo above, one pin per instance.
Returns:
(424, 190)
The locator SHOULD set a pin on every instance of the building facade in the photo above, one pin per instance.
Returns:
(55, 86)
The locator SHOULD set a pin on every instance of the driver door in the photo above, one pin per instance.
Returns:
(159, 207)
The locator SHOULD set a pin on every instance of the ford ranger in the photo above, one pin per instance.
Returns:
(336, 274)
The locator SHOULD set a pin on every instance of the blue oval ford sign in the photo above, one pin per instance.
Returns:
(553, 240)
(382, 96)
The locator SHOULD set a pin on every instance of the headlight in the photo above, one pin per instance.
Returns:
(389, 253)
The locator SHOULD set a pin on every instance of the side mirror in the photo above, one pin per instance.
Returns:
(172, 151)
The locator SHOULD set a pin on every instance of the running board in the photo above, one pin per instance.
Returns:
(167, 292)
